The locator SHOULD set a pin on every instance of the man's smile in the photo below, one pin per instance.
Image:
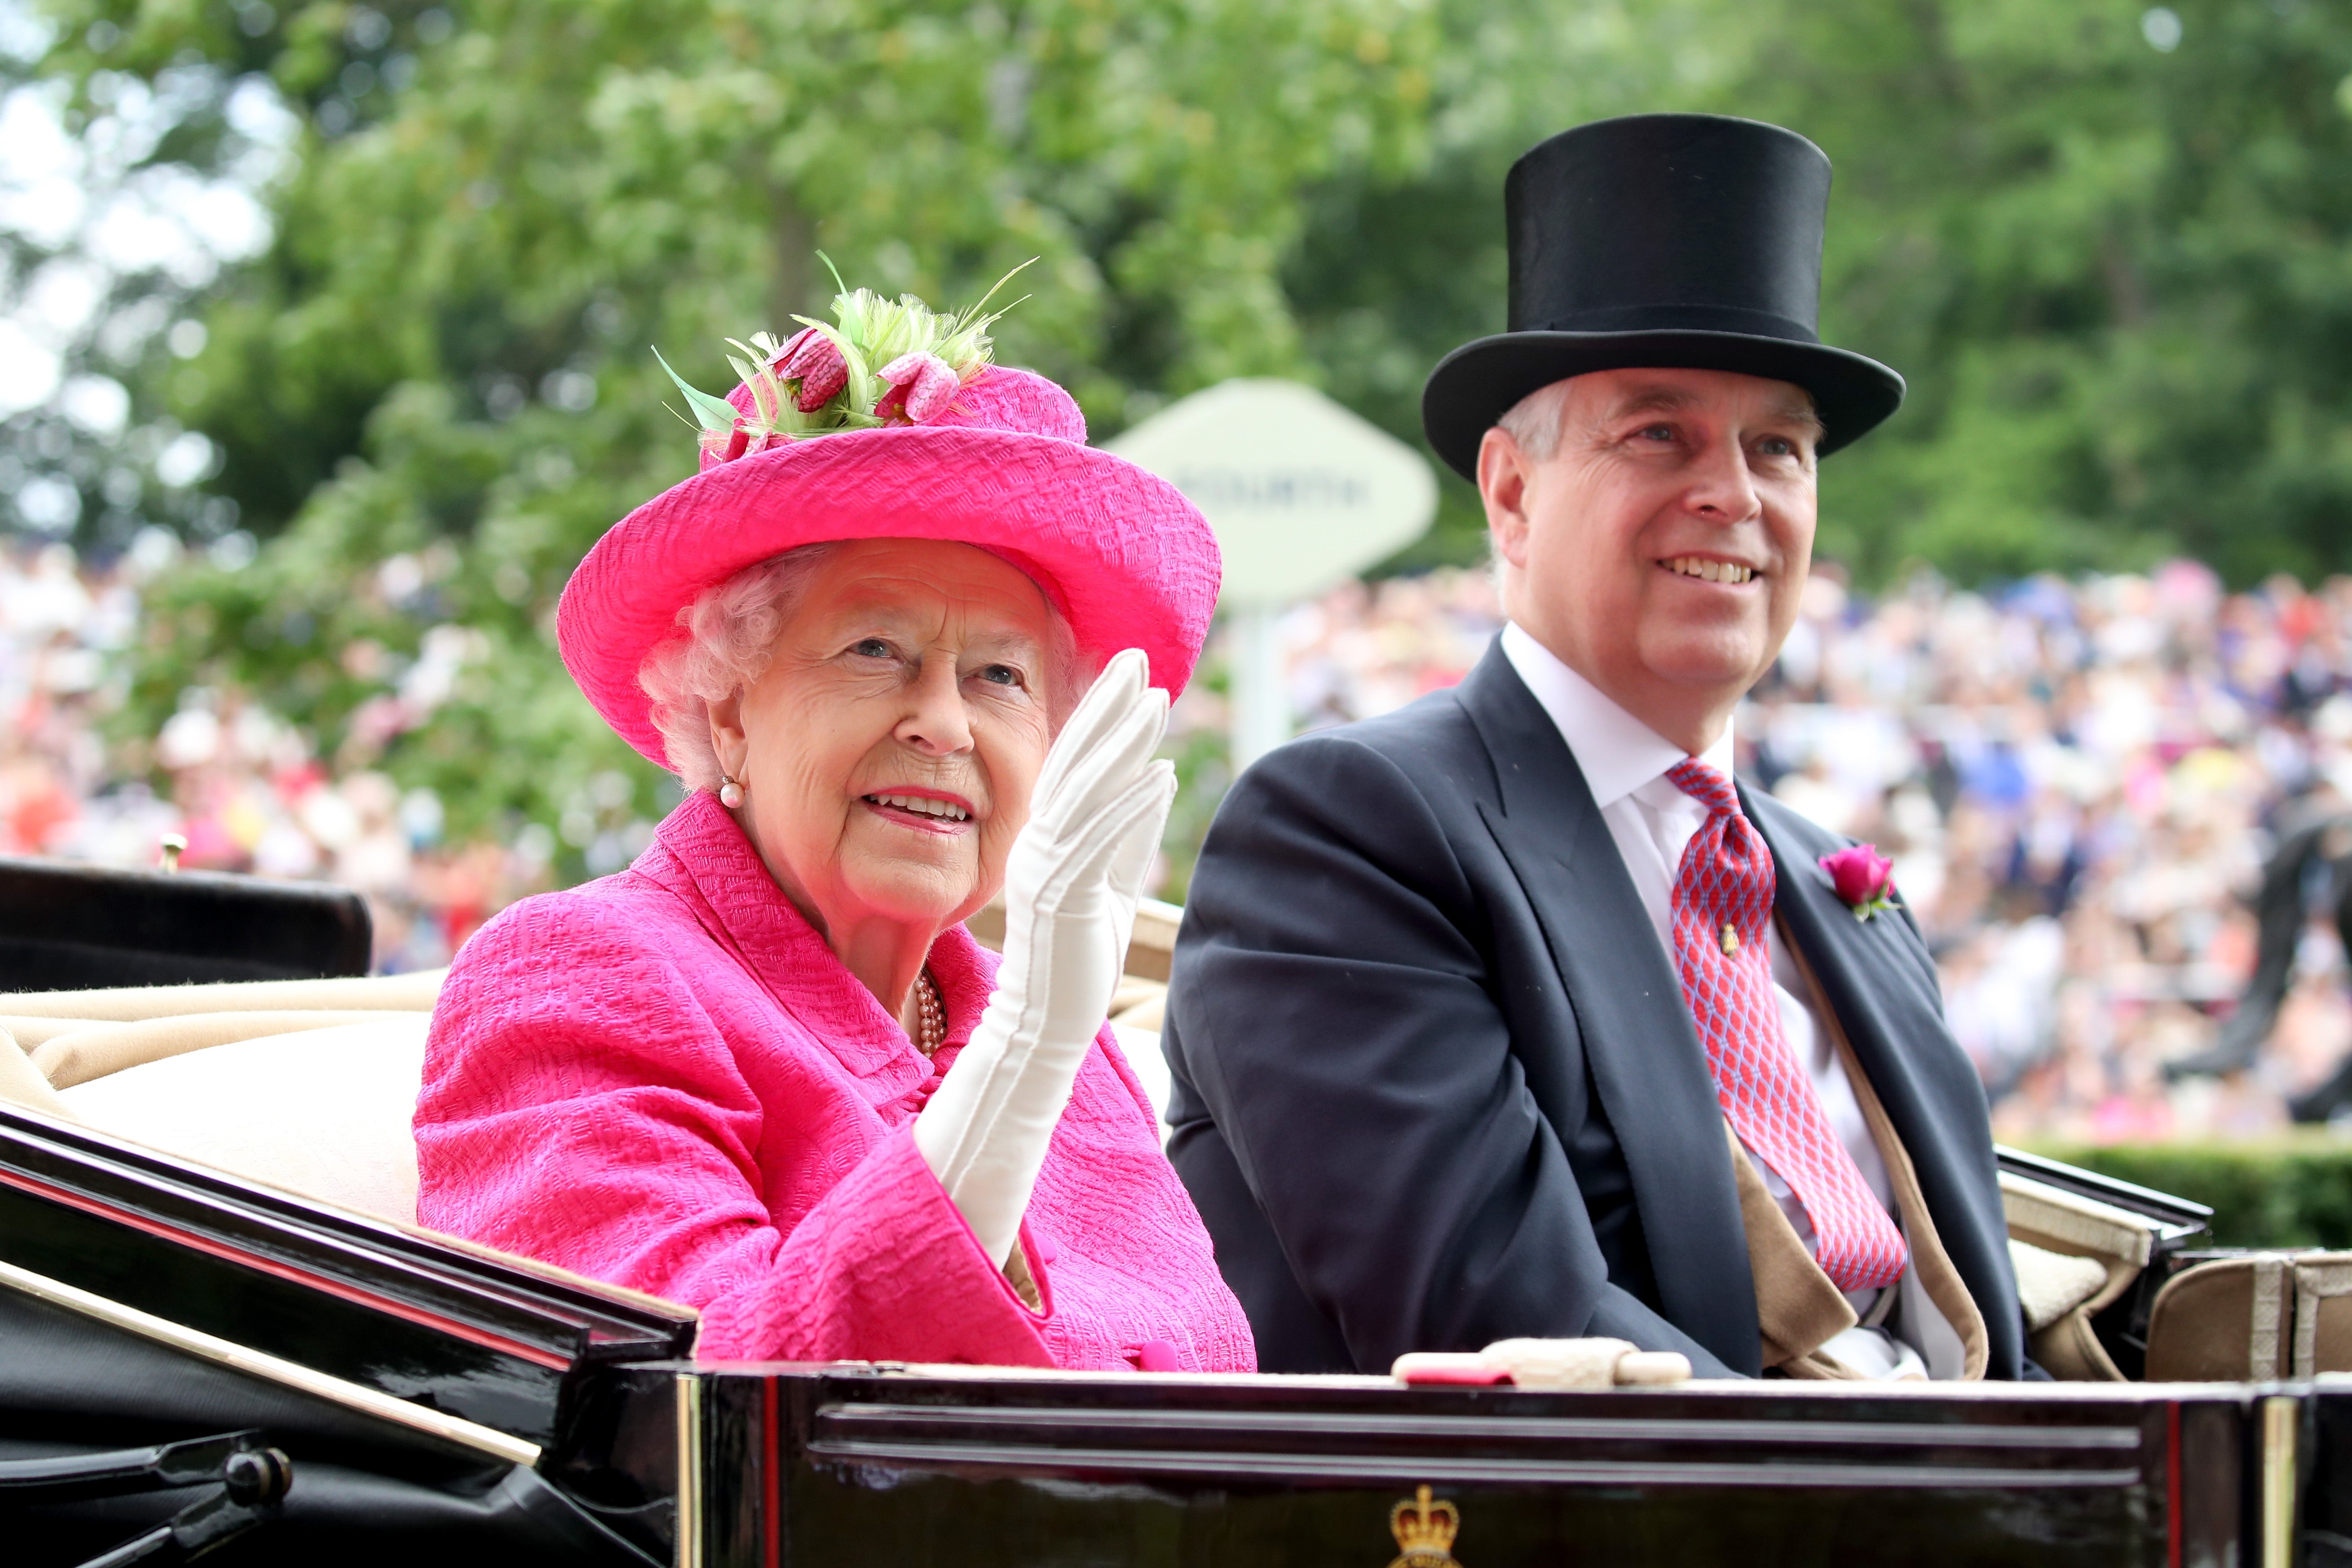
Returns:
(1706, 568)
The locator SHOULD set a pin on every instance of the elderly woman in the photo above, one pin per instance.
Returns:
(765, 1070)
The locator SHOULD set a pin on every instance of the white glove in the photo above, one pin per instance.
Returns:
(1070, 888)
(1547, 1364)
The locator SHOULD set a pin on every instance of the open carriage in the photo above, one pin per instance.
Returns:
(240, 1349)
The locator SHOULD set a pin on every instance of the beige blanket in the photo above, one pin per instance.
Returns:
(21, 1082)
(51, 1041)
(399, 992)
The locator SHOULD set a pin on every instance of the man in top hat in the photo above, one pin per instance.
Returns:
(1512, 1012)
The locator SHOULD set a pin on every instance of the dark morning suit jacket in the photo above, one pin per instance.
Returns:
(1435, 1085)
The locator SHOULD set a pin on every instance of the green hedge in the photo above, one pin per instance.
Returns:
(2288, 1192)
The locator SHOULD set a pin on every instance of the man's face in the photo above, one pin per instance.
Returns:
(1661, 549)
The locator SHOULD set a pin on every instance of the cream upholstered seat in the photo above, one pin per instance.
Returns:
(323, 1113)
(308, 1085)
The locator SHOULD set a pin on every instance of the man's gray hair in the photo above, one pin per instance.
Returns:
(1533, 422)
(731, 631)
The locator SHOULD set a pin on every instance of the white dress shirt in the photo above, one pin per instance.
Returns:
(1624, 763)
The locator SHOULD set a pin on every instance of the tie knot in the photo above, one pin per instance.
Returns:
(1705, 785)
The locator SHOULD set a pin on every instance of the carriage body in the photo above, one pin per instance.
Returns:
(164, 1320)
(439, 1401)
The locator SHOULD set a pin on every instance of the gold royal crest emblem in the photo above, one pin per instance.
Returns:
(1424, 1532)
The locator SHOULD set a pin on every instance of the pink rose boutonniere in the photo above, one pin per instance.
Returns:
(1864, 877)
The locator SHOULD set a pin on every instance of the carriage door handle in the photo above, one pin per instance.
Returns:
(250, 1480)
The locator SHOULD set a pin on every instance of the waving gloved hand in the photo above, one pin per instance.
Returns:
(1070, 888)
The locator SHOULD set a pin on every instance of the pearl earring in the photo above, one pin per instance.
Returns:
(731, 793)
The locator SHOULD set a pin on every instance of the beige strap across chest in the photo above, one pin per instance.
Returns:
(1798, 1309)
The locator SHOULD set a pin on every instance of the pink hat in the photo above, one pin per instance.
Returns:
(997, 459)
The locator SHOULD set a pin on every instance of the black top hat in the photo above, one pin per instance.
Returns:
(1687, 241)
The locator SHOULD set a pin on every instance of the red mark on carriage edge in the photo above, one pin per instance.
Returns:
(772, 1501)
(1463, 1372)
(2172, 1481)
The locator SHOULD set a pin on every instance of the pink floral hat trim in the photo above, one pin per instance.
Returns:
(827, 438)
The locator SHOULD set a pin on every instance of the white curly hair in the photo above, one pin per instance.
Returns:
(730, 634)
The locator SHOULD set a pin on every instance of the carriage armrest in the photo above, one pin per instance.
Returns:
(2133, 1233)
(2051, 1226)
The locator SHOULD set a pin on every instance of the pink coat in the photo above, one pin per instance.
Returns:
(666, 1080)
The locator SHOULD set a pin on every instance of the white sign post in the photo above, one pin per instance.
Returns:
(1302, 494)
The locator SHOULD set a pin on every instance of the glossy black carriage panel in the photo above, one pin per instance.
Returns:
(2323, 1433)
(364, 1492)
(720, 1466)
(304, 1313)
(808, 1466)
(66, 926)
(393, 1311)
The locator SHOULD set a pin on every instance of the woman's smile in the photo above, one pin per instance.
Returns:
(922, 810)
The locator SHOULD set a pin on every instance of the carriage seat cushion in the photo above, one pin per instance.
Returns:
(323, 1113)
(2052, 1284)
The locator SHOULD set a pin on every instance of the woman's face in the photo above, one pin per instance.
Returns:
(887, 753)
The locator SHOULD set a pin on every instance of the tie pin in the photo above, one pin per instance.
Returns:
(1730, 942)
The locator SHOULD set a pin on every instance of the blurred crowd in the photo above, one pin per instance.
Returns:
(2078, 783)
(240, 785)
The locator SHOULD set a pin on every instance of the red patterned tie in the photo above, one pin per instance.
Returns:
(1723, 899)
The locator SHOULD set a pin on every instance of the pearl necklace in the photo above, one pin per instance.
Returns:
(930, 1016)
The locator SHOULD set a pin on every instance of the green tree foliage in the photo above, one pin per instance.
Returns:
(81, 267)
(2287, 1191)
(2111, 247)
(1391, 273)
(445, 359)
(2107, 245)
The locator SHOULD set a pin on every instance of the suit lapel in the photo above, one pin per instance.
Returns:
(1854, 961)
(1647, 1065)
(1887, 1001)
